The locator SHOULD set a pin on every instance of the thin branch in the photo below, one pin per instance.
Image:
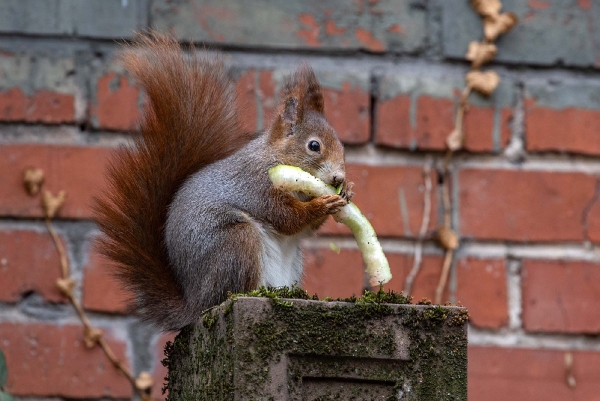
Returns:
(439, 292)
(64, 262)
(417, 261)
(446, 201)
(93, 336)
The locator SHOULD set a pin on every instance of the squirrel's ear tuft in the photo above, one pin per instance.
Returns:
(312, 96)
(301, 92)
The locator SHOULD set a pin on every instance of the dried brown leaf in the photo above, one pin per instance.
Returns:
(91, 336)
(144, 381)
(455, 140)
(448, 238)
(481, 53)
(497, 25)
(52, 204)
(33, 179)
(483, 82)
(487, 7)
(65, 285)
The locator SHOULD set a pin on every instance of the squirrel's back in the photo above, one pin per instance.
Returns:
(189, 122)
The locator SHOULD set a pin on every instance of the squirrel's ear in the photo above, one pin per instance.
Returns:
(286, 119)
(289, 115)
(301, 92)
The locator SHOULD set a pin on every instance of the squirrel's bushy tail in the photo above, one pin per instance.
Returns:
(188, 123)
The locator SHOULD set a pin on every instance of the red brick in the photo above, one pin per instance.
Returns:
(378, 196)
(393, 127)
(567, 130)
(434, 122)
(481, 287)
(329, 274)
(561, 296)
(116, 105)
(523, 205)
(44, 106)
(500, 374)
(478, 124)
(52, 361)
(28, 262)
(77, 170)
(101, 291)
(257, 105)
(160, 372)
(347, 110)
(425, 282)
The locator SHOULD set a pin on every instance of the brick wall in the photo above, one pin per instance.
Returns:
(526, 188)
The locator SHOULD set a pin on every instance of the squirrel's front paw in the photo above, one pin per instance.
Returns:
(330, 204)
(346, 191)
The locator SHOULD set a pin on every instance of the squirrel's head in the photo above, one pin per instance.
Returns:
(300, 133)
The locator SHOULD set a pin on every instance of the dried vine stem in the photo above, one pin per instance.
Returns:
(418, 259)
(439, 291)
(483, 82)
(33, 180)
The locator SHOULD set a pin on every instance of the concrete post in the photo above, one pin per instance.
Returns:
(294, 349)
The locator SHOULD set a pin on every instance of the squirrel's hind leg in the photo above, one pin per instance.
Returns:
(232, 261)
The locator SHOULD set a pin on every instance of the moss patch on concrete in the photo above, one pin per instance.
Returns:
(288, 346)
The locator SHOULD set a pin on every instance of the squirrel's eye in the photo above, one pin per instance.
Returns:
(314, 146)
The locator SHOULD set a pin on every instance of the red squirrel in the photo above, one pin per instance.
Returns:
(190, 213)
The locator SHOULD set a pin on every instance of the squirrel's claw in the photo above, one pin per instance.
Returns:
(346, 191)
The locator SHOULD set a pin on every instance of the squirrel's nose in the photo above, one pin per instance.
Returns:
(338, 179)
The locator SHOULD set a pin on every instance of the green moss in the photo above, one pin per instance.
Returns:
(328, 337)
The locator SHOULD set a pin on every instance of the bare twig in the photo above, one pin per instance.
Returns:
(64, 263)
(439, 291)
(93, 336)
(417, 261)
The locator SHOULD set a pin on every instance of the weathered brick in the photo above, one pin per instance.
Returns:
(101, 291)
(481, 287)
(499, 374)
(77, 170)
(561, 296)
(329, 274)
(29, 262)
(53, 361)
(523, 205)
(116, 100)
(387, 25)
(418, 112)
(562, 117)
(38, 88)
(160, 372)
(346, 96)
(391, 197)
(549, 32)
(93, 18)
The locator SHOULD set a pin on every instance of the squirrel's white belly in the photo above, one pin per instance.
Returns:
(281, 258)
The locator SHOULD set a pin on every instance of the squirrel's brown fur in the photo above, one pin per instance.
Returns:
(187, 95)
